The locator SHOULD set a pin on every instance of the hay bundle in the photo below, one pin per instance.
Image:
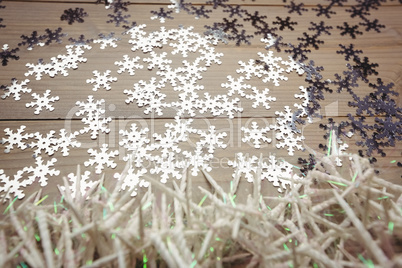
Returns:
(335, 217)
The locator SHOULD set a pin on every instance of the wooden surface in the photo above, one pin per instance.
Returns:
(23, 17)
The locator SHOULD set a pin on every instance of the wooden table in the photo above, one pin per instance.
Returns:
(24, 17)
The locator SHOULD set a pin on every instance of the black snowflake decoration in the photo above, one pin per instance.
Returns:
(350, 30)
(234, 10)
(265, 31)
(372, 25)
(118, 18)
(119, 6)
(308, 40)
(1, 20)
(74, 15)
(31, 41)
(326, 11)
(217, 3)
(8, 54)
(296, 8)
(81, 41)
(298, 53)
(382, 91)
(284, 23)
(346, 83)
(53, 36)
(162, 13)
(357, 11)
(229, 26)
(349, 52)
(200, 12)
(365, 67)
(241, 37)
(320, 28)
(255, 18)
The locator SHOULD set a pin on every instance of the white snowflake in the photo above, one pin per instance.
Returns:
(191, 70)
(85, 183)
(16, 89)
(167, 166)
(209, 56)
(107, 40)
(62, 63)
(279, 173)
(148, 94)
(65, 141)
(290, 140)
(136, 141)
(181, 128)
(256, 135)
(94, 119)
(15, 138)
(219, 105)
(12, 187)
(293, 66)
(186, 104)
(162, 36)
(260, 98)
(129, 64)
(269, 60)
(185, 45)
(269, 40)
(198, 160)
(250, 69)
(236, 86)
(304, 106)
(144, 43)
(41, 171)
(170, 75)
(101, 158)
(41, 102)
(133, 180)
(166, 142)
(245, 165)
(157, 61)
(211, 139)
(46, 143)
(101, 80)
(38, 69)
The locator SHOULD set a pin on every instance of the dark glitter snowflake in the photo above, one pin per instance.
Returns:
(320, 84)
(326, 11)
(350, 30)
(298, 53)
(284, 23)
(341, 130)
(241, 37)
(229, 26)
(307, 164)
(2, 25)
(308, 40)
(320, 28)
(357, 11)
(372, 25)
(364, 106)
(162, 14)
(119, 6)
(315, 95)
(118, 18)
(74, 15)
(337, 2)
(349, 52)
(365, 67)
(265, 31)
(200, 12)
(369, 4)
(346, 83)
(81, 41)
(234, 10)
(373, 145)
(382, 91)
(388, 130)
(296, 8)
(218, 33)
(55, 36)
(8, 54)
(129, 27)
(255, 18)
(359, 126)
(312, 71)
(31, 41)
(217, 3)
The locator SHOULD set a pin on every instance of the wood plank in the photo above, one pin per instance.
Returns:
(383, 52)
(17, 159)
